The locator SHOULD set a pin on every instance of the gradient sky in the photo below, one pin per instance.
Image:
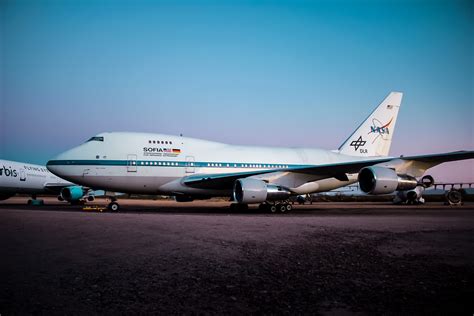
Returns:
(280, 73)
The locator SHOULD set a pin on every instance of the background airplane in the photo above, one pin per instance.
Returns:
(24, 178)
(190, 168)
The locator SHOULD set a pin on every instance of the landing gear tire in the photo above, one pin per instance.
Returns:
(273, 208)
(289, 207)
(113, 207)
(282, 208)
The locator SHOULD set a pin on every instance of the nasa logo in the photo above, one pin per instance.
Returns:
(8, 172)
(379, 128)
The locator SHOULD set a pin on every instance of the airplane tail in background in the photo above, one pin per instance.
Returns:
(374, 136)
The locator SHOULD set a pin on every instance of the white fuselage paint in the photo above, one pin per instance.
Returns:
(18, 177)
(132, 163)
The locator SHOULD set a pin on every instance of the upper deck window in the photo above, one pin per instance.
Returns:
(96, 139)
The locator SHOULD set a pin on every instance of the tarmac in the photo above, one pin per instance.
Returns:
(200, 258)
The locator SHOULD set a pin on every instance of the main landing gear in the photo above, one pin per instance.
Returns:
(34, 201)
(282, 207)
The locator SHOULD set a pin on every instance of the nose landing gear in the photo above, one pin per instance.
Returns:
(113, 207)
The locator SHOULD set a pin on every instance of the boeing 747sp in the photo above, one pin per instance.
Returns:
(190, 168)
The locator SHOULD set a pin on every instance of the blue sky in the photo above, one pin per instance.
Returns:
(280, 73)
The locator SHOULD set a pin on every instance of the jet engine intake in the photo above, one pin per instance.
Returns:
(247, 191)
(380, 180)
(72, 193)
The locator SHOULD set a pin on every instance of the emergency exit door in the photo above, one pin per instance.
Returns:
(132, 163)
(190, 164)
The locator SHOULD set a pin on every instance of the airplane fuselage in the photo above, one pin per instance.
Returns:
(18, 177)
(156, 164)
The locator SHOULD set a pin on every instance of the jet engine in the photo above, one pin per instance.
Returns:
(248, 191)
(72, 194)
(414, 196)
(380, 180)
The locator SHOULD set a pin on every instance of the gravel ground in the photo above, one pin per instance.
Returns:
(156, 258)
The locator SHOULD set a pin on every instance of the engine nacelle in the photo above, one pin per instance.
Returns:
(248, 191)
(72, 193)
(380, 180)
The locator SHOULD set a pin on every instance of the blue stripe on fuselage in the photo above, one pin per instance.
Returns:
(161, 163)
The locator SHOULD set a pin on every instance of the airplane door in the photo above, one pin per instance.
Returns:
(22, 175)
(189, 164)
(132, 163)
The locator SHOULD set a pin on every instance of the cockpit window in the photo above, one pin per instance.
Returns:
(96, 139)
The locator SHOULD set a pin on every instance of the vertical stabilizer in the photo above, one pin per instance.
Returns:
(374, 136)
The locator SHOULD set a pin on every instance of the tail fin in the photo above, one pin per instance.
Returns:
(374, 136)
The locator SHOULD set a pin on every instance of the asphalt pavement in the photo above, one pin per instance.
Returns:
(189, 258)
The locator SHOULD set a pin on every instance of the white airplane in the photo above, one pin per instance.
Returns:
(25, 178)
(190, 168)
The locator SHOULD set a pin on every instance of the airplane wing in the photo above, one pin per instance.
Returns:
(226, 180)
(436, 159)
(336, 170)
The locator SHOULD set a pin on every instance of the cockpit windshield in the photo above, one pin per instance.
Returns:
(96, 139)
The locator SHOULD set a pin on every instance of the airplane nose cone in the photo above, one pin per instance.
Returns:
(52, 166)
(56, 166)
(63, 164)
